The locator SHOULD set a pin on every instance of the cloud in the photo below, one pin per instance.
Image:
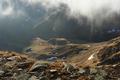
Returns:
(7, 11)
(88, 8)
(92, 9)
(7, 8)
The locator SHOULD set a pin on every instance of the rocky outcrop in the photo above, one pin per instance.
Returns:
(17, 67)
(111, 52)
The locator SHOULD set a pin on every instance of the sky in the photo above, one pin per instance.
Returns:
(84, 7)
(31, 10)
(88, 8)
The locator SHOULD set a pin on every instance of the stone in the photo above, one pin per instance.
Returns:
(58, 79)
(43, 78)
(33, 78)
(102, 73)
(98, 77)
(81, 71)
(93, 71)
(1, 59)
(10, 64)
(14, 58)
(28, 50)
(53, 70)
(52, 58)
(68, 67)
(11, 58)
(1, 73)
(23, 76)
(38, 66)
(24, 65)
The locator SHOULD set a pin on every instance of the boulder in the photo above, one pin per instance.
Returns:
(38, 66)
(33, 78)
(23, 76)
(24, 65)
(81, 71)
(93, 71)
(43, 78)
(53, 71)
(10, 64)
(1, 73)
(68, 67)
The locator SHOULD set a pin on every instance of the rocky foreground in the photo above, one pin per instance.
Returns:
(105, 57)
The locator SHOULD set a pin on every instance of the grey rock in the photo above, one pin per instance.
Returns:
(10, 64)
(68, 67)
(52, 58)
(1, 59)
(33, 78)
(81, 71)
(38, 66)
(102, 73)
(93, 71)
(53, 70)
(43, 78)
(24, 65)
(23, 77)
(28, 50)
(118, 79)
(58, 79)
(11, 58)
(1, 73)
(99, 77)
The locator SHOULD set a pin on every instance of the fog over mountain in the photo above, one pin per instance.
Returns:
(16, 21)
(23, 20)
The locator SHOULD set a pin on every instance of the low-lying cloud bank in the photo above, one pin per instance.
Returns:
(88, 8)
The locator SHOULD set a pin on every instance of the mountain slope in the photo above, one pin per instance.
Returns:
(99, 61)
